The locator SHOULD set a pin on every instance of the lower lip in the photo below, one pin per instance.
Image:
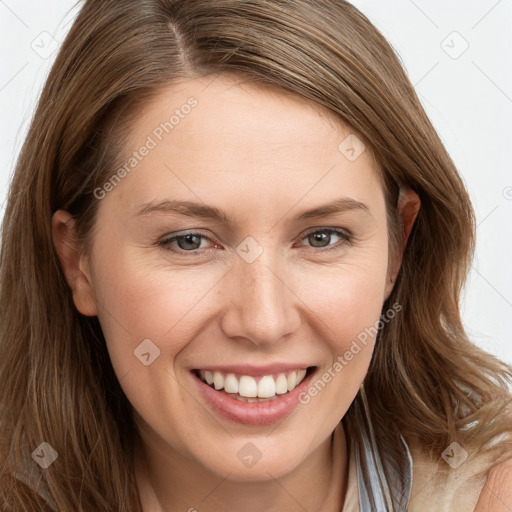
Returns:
(253, 413)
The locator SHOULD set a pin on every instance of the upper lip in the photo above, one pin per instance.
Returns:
(249, 369)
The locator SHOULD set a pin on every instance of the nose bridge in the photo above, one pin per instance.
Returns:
(261, 306)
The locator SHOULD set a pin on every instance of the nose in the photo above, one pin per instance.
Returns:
(259, 304)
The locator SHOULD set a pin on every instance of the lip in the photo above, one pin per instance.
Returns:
(252, 413)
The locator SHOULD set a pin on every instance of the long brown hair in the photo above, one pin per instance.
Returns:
(426, 381)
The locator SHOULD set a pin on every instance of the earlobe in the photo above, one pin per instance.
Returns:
(73, 264)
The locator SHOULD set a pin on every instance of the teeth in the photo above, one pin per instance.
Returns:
(231, 384)
(244, 399)
(218, 380)
(266, 387)
(281, 384)
(292, 380)
(247, 387)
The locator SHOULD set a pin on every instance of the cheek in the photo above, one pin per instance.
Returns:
(347, 307)
(139, 303)
(349, 297)
(348, 300)
(148, 316)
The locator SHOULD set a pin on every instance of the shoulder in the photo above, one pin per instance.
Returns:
(496, 496)
(450, 484)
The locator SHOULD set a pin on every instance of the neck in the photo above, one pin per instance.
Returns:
(165, 483)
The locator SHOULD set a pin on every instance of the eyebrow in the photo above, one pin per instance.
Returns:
(204, 211)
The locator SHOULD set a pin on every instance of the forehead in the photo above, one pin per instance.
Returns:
(239, 111)
(224, 134)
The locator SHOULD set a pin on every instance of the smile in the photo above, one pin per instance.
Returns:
(253, 387)
(257, 397)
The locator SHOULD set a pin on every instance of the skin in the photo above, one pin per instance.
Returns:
(263, 157)
(496, 495)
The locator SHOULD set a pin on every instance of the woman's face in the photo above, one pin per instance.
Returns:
(249, 238)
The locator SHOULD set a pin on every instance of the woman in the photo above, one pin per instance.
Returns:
(230, 275)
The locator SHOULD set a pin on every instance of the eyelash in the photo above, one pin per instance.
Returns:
(346, 237)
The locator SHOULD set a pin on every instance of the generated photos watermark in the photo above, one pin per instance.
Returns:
(343, 360)
(152, 141)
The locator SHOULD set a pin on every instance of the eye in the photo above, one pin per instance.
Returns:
(320, 238)
(188, 243)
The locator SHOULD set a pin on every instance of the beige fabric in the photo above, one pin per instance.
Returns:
(458, 491)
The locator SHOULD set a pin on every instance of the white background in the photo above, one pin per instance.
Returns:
(467, 95)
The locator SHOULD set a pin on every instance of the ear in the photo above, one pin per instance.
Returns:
(407, 211)
(74, 264)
